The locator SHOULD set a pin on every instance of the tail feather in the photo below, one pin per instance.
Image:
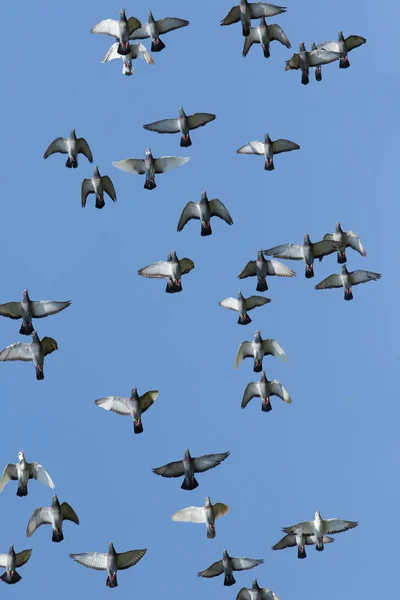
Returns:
(149, 184)
(309, 271)
(244, 319)
(304, 78)
(246, 29)
(71, 163)
(266, 405)
(211, 531)
(189, 484)
(173, 287)
(58, 535)
(111, 580)
(186, 141)
(344, 63)
(100, 202)
(137, 426)
(257, 366)
(341, 257)
(262, 285)
(229, 579)
(39, 372)
(22, 489)
(26, 328)
(348, 295)
(205, 228)
(266, 51)
(157, 45)
(318, 74)
(301, 552)
(11, 578)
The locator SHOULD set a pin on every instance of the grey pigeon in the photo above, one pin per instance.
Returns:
(256, 593)
(265, 34)
(204, 210)
(265, 389)
(246, 11)
(227, 565)
(261, 268)
(300, 540)
(343, 46)
(242, 305)
(135, 51)
(172, 269)
(347, 279)
(112, 562)
(22, 472)
(189, 466)
(71, 146)
(54, 515)
(98, 184)
(317, 70)
(347, 239)
(134, 406)
(257, 350)
(36, 351)
(150, 166)
(121, 30)
(319, 528)
(304, 60)
(268, 148)
(153, 29)
(29, 309)
(202, 514)
(10, 562)
(307, 252)
(183, 124)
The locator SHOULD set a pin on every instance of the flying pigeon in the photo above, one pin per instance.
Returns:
(36, 351)
(121, 30)
(227, 565)
(264, 389)
(347, 279)
(257, 350)
(134, 406)
(111, 562)
(54, 516)
(347, 239)
(343, 46)
(264, 34)
(135, 51)
(317, 70)
(246, 11)
(172, 269)
(202, 514)
(71, 146)
(98, 184)
(153, 29)
(150, 166)
(256, 593)
(268, 148)
(319, 528)
(242, 305)
(189, 466)
(307, 252)
(183, 124)
(304, 60)
(22, 472)
(10, 562)
(204, 210)
(261, 268)
(300, 540)
(29, 309)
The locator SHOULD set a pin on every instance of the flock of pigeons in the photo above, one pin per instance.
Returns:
(316, 532)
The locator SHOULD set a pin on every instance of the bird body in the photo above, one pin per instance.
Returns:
(347, 279)
(154, 28)
(227, 565)
(265, 389)
(71, 146)
(22, 472)
(150, 166)
(98, 185)
(29, 309)
(189, 466)
(319, 528)
(135, 51)
(246, 11)
(268, 148)
(183, 124)
(265, 34)
(242, 305)
(204, 210)
(257, 349)
(54, 516)
(10, 562)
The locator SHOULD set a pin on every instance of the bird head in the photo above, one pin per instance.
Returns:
(317, 514)
(73, 134)
(21, 455)
(254, 583)
(54, 500)
(186, 453)
(111, 547)
(207, 501)
(344, 270)
(11, 548)
(257, 336)
(225, 554)
(306, 238)
(148, 152)
(25, 295)
(338, 228)
(340, 36)
(122, 13)
(96, 171)
(133, 391)
(181, 112)
(302, 47)
(150, 17)
(260, 254)
(263, 376)
(267, 139)
(203, 196)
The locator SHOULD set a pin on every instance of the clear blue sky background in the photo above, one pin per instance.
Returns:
(336, 448)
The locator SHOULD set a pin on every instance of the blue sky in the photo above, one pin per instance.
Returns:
(336, 448)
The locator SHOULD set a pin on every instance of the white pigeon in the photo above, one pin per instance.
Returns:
(320, 527)
(136, 51)
(22, 472)
(202, 514)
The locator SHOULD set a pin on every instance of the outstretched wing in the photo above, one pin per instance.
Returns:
(186, 265)
(91, 560)
(213, 570)
(320, 56)
(293, 63)
(250, 392)
(134, 166)
(233, 16)
(284, 146)
(288, 541)
(353, 241)
(274, 267)
(170, 24)
(82, 147)
(44, 308)
(128, 559)
(249, 40)
(245, 350)
(200, 119)
(108, 187)
(191, 211)
(230, 303)
(108, 26)
(244, 564)
(22, 557)
(158, 270)
(333, 281)
(354, 41)
(17, 351)
(9, 474)
(364, 276)
(40, 474)
(263, 9)
(87, 188)
(40, 516)
(271, 346)
(332, 526)
(252, 148)
(139, 50)
(277, 389)
(166, 163)
(115, 404)
(208, 461)
(254, 301)
(68, 513)
(57, 145)
(324, 248)
(250, 270)
(172, 469)
(112, 53)
(276, 33)
(148, 399)
(11, 310)
(288, 251)
(218, 209)
(220, 509)
(192, 514)
(48, 345)
(163, 126)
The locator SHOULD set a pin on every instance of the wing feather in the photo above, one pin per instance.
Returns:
(191, 211)
(115, 404)
(91, 560)
(40, 516)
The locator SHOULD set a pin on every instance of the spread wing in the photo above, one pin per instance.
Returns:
(133, 24)
(288, 541)
(159, 270)
(333, 281)
(44, 308)
(244, 564)
(141, 33)
(220, 509)
(148, 399)
(277, 389)
(338, 525)
(322, 57)
(186, 265)
(40, 474)
(288, 251)
(138, 50)
(254, 301)
(276, 33)
(250, 270)
(218, 209)
(128, 559)
(11, 310)
(9, 474)
(305, 527)
(82, 147)
(108, 26)
(284, 146)
(233, 16)
(311, 539)
(134, 166)
(68, 513)
(293, 63)
(271, 346)
(252, 148)
(230, 303)
(213, 570)
(166, 163)
(353, 241)
(108, 187)
(48, 345)
(191, 211)
(251, 391)
(192, 514)
(274, 267)
(40, 516)
(163, 126)
(170, 24)
(354, 41)
(23, 557)
(364, 276)
(87, 188)
(208, 461)
(324, 248)
(91, 560)
(244, 593)
(251, 39)
(57, 145)
(173, 469)
(17, 351)
(263, 9)
(115, 404)
(245, 350)
(112, 53)
(200, 119)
